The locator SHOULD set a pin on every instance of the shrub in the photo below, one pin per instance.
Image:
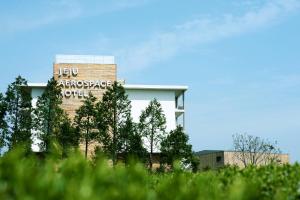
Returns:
(27, 177)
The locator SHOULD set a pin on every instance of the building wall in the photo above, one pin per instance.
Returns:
(209, 161)
(231, 158)
(86, 72)
(35, 93)
(140, 99)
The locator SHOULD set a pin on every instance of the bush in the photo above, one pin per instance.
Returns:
(27, 177)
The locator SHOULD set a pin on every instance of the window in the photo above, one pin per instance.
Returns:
(219, 159)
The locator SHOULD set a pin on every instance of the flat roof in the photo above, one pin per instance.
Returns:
(206, 152)
(40, 85)
(155, 87)
(132, 87)
(84, 59)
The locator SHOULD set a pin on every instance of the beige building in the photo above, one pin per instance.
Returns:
(214, 159)
(79, 75)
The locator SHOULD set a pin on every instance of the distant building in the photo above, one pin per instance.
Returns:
(214, 159)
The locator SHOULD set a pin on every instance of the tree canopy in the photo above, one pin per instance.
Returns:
(3, 124)
(48, 114)
(152, 127)
(175, 147)
(18, 115)
(113, 120)
(85, 121)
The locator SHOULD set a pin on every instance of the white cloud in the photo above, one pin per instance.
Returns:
(166, 45)
(35, 14)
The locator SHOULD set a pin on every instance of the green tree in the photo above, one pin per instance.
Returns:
(3, 124)
(175, 147)
(132, 144)
(85, 121)
(113, 115)
(18, 118)
(68, 136)
(48, 115)
(152, 126)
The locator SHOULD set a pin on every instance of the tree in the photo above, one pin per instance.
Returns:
(3, 124)
(48, 115)
(175, 147)
(18, 117)
(68, 136)
(252, 150)
(85, 121)
(132, 144)
(152, 127)
(113, 116)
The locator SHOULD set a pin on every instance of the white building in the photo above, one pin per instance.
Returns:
(171, 97)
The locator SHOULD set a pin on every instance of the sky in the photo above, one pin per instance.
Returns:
(240, 59)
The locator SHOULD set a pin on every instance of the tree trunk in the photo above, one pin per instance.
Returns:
(151, 149)
(86, 143)
(114, 137)
(15, 128)
(48, 129)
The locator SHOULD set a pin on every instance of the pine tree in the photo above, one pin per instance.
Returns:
(113, 114)
(3, 124)
(152, 126)
(85, 121)
(48, 115)
(175, 147)
(18, 102)
(132, 144)
(68, 136)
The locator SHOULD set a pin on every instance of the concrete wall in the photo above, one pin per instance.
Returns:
(232, 158)
(209, 161)
(35, 93)
(140, 99)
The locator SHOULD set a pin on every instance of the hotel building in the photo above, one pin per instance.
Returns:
(80, 74)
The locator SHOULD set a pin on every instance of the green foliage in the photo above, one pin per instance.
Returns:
(85, 121)
(68, 136)
(48, 115)
(3, 124)
(77, 178)
(175, 147)
(132, 144)
(114, 121)
(18, 115)
(152, 126)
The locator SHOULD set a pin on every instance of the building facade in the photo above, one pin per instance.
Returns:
(78, 75)
(214, 159)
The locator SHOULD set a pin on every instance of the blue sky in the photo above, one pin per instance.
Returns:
(240, 59)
